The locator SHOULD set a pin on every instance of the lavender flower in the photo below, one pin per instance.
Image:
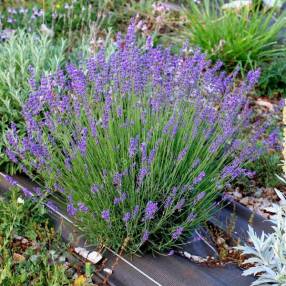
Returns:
(180, 204)
(142, 174)
(135, 211)
(27, 193)
(133, 146)
(168, 202)
(117, 179)
(71, 210)
(119, 112)
(199, 197)
(105, 214)
(150, 210)
(83, 144)
(199, 178)
(95, 188)
(177, 233)
(145, 236)
(182, 154)
(126, 217)
(191, 217)
(144, 152)
(120, 199)
(82, 207)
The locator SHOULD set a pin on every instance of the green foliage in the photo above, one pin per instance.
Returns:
(16, 56)
(273, 79)
(245, 37)
(266, 168)
(28, 245)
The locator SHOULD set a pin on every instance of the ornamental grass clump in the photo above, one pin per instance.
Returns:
(137, 146)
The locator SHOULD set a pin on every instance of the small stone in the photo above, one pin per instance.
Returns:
(93, 256)
(25, 241)
(107, 270)
(237, 195)
(258, 193)
(220, 241)
(62, 259)
(245, 201)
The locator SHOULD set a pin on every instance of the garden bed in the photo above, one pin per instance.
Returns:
(168, 270)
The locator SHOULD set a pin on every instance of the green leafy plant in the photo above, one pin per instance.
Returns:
(265, 169)
(246, 36)
(20, 56)
(273, 79)
(29, 247)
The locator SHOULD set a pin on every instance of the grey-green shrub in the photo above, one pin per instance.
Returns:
(17, 55)
(268, 253)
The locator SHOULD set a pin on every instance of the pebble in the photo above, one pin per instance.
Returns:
(220, 241)
(258, 193)
(93, 256)
(245, 201)
(25, 241)
(107, 270)
(62, 259)
(237, 195)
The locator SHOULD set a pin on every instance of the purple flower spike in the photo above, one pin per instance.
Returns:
(151, 209)
(11, 181)
(71, 209)
(142, 174)
(199, 197)
(177, 233)
(117, 179)
(126, 217)
(145, 236)
(27, 193)
(182, 154)
(82, 143)
(133, 146)
(180, 204)
(105, 214)
(135, 211)
(199, 178)
(82, 207)
(191, 217)
(95, 188)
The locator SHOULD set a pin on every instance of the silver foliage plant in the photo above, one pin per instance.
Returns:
(268, 253)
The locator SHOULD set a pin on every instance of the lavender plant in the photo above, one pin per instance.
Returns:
(137, 146)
